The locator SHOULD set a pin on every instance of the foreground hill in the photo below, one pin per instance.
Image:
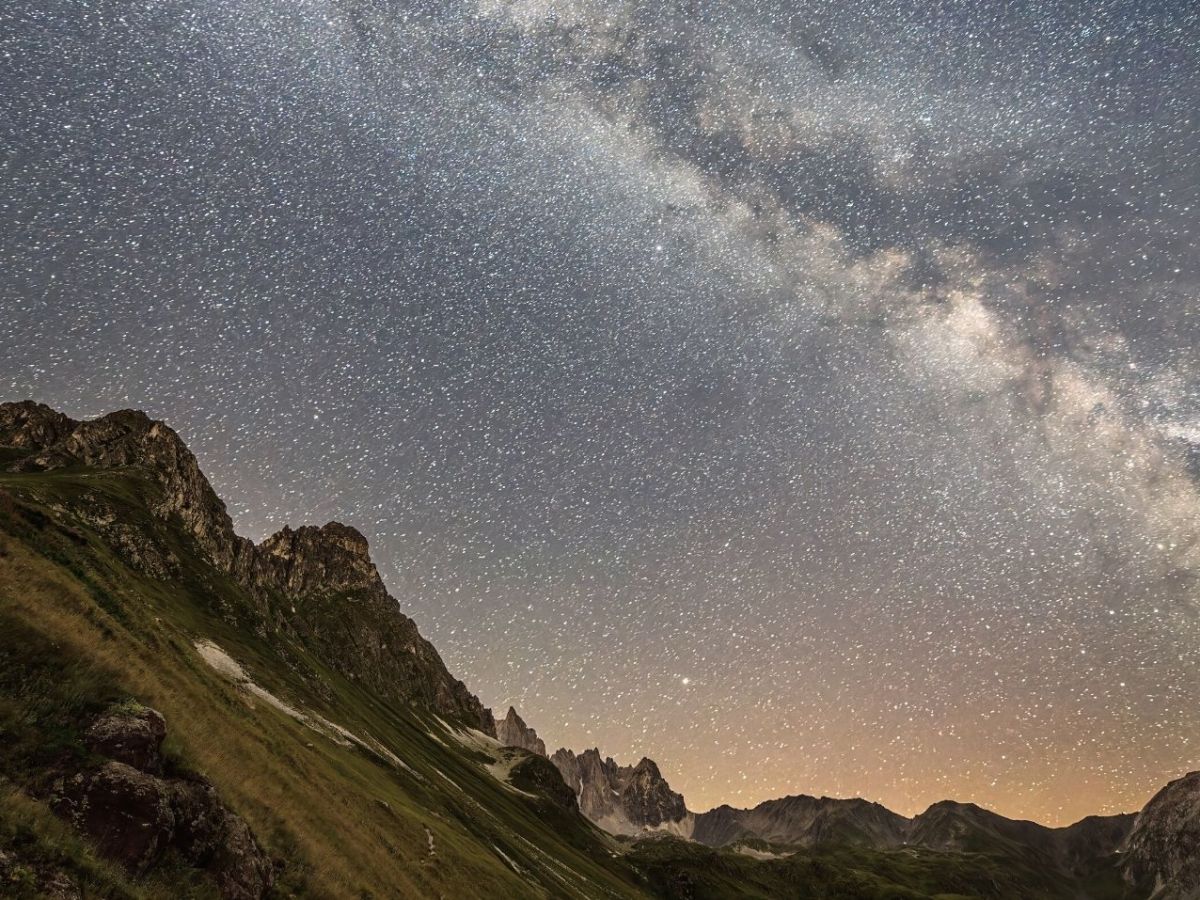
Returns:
(184, 713)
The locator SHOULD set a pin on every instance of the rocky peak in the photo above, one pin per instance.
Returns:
(802, 820)
(513, 732)
(333, 558)
(620, 799)
(127, 438)
(33, 426)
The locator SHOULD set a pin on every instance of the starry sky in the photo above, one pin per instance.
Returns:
(805, 395)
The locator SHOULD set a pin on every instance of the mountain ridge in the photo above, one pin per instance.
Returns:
(314, 590)
(299, 575)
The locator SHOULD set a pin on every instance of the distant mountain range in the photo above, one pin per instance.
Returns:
(186, 713)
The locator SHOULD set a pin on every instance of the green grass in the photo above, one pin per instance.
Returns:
(676, 868)
(79, 630)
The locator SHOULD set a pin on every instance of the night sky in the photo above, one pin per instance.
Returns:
(806, 396)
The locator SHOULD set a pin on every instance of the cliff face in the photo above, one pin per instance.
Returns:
(318, 584)
(513, 732)
(620, 799)
(1162, 853)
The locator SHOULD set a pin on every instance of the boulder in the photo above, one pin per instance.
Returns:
(131, 735)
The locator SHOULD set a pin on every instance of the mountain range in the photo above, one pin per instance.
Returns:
(185, 713)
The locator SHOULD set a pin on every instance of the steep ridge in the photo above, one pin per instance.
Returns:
(126, 600)
(302, 578)
(1162, 853)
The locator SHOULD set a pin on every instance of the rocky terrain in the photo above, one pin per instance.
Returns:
(137, 816)
(513, 732)
(1162, 852)
(186, 713)
(620, 799)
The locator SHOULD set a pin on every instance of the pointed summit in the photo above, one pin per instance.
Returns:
(513, 732)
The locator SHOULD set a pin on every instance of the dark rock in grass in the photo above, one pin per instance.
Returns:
(127, 813)
(135, 816)
(132, 735)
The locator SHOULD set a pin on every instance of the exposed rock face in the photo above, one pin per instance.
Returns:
(129, 438)
(620, 799)
(804, 821)
(1162, 853)
(32, 426)
(135, 816)
(339, 606)
(331, 559)
(513, 732)
(130, 736)
(317, 584)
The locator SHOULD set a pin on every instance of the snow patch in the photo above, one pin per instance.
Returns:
(504, 759)
(758, 854)
(230, 668)
(504, 856)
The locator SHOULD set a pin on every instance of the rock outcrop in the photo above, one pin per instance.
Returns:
(318, 585)
(513, 732)
(1162, 853)
(132, 736)
(33, 426)
(136, 817)
(620, 799)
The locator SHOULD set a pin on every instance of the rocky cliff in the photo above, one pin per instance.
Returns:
(513, 732)
(318, 585)
(620, 799)
(1162, 853)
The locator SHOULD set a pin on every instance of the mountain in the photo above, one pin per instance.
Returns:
(185, 713)
(513, 732)
(803, 822)
(302, 580)
(620, 799)
(1162, 853)
(1063, 854)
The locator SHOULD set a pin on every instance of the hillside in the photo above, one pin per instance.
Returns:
(184, 713)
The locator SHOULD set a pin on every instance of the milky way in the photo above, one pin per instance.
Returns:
(804, 396)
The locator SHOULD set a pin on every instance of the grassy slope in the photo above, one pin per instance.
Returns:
(79, 629)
